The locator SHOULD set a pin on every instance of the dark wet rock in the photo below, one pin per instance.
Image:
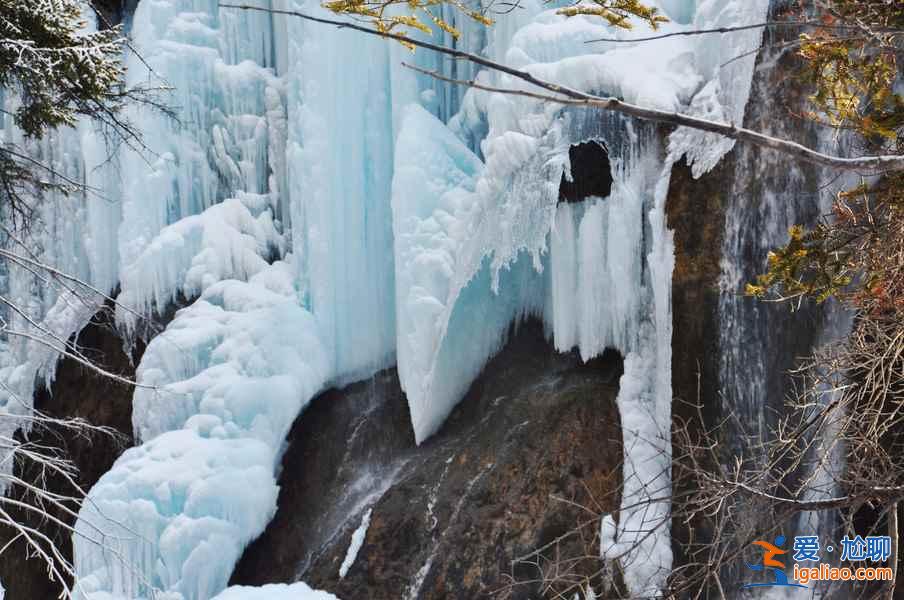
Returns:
(715, 333)
(536, 437)
(341, 450)
(695, 211)
(743, 180)
(110, 11)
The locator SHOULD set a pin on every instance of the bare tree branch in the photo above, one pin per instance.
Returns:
(892, 518)
(694, 32)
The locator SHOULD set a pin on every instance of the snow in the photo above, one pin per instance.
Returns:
(295, 591)
(230, 240)
(355, 545)
(218, 391)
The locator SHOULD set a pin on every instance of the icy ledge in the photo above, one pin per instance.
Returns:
(221, 387)
(230, 240)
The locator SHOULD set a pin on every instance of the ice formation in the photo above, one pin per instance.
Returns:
(355, 545)
(220, 387)
(441, 347)
(609, 261)
(230, 240)
(726, 62)
(41, 308)
(296, 591)
(218, 392)
(322, 213)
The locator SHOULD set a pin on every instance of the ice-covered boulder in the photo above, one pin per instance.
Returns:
(218, 391)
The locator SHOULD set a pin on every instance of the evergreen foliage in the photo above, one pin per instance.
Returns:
(857, 254)
(59, 69)
(53, 71)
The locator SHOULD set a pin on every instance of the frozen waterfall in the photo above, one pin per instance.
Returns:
(74, 235)
(319, 212)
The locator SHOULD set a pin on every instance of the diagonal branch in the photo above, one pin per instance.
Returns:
(765, 24)
(573, 97)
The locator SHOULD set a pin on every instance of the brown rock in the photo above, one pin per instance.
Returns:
(536, 438)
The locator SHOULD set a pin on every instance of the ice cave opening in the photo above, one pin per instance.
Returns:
(590, 174)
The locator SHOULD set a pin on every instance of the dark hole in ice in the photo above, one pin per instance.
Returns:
(591, 174)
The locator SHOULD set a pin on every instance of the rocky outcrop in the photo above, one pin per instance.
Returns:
(725, 222)
(110, 11)
(521, 470)
(696, 215)
(746, 181)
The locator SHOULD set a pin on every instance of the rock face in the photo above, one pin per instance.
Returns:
(696, 214)
(76, 393)
(730, 218)
(730, 353)
(536, 439)
(110, 11)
